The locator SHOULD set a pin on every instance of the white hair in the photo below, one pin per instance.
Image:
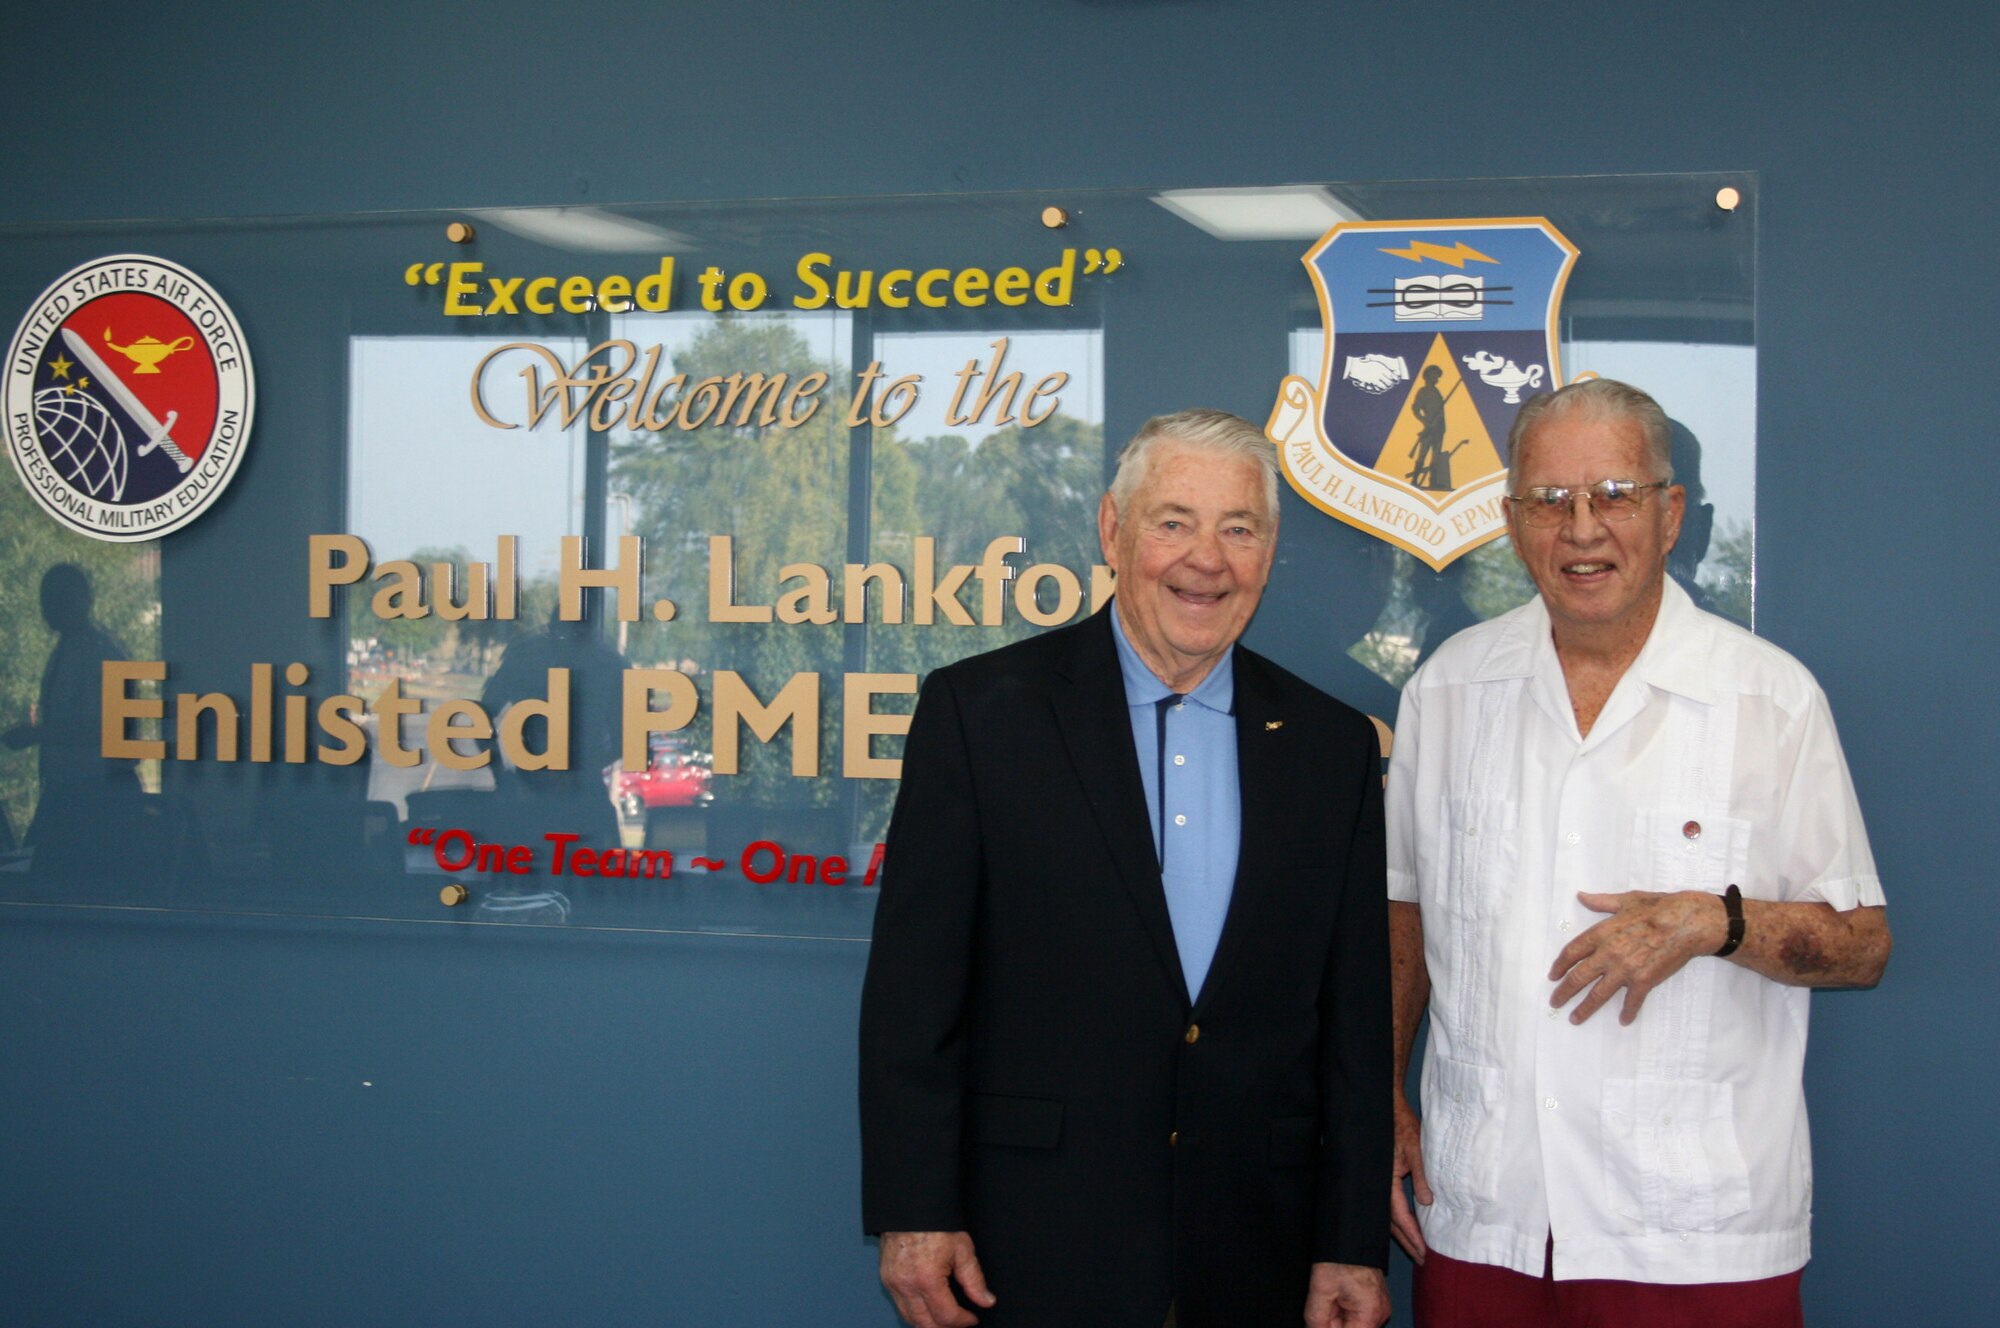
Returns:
(1210, 432)
(1599, 398)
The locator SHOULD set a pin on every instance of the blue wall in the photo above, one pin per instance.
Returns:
(562, 1129)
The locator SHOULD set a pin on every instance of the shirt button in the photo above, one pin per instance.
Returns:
(1572, 838)
(1666, 1120)
(1193, 1033)
(1472, 832)
(1549, 1103)
(1694, 848)
(1180, 705)
(1180, 820)
(1565, 925)
(1180, 760)
(1551, 1012)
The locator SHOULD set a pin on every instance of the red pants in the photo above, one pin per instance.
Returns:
(1450, 1293)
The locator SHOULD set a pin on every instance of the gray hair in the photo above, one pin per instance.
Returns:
(1600, 398)
(1211, 432)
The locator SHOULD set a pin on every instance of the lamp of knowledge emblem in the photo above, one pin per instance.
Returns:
(1436, 333)
(128, 398)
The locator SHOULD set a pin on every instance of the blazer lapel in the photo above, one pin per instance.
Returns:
(1261, 742)
(1096, 725)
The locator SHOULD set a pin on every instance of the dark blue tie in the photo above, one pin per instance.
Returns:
(1168, 702)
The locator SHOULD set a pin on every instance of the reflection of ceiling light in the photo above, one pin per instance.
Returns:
(586, 228)
(1287, 212)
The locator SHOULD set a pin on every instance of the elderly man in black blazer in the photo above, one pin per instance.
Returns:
(1125, 1036)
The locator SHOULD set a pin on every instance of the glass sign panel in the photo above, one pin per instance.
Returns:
(579, 566)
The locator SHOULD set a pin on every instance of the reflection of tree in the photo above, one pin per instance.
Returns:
(1729, 575)
(1426, 608)
(418, 638)
(125, 578)
(436, 656)
(1041, 484)
(782, 495)
(1495, 581)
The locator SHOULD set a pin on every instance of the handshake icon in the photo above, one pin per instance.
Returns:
(1376, 374)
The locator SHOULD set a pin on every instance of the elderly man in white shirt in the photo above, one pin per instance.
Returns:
(1611, 795)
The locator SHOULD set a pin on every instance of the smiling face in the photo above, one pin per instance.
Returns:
(1601, 581)
(1192, 552)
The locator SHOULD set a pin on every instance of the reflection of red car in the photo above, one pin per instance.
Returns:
(676, 777)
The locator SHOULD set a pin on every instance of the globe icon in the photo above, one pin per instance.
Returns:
(84, 442)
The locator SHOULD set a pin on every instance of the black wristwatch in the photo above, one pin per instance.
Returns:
(1732, 900)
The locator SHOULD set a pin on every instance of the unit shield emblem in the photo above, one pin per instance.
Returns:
(1436, 333)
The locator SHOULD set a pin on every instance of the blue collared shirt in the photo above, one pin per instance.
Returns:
(1201, 832)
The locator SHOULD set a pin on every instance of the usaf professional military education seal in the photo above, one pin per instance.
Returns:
(127, 393)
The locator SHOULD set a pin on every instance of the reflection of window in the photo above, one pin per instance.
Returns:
(428, 482)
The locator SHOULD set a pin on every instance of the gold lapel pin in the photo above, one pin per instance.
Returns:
(1273, 724)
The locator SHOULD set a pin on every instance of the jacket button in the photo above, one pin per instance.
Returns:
(1174, 1139)
(1193, 1033)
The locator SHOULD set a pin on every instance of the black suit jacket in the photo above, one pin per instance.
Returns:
(1032, 1070)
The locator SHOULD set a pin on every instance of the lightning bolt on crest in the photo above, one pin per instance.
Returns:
(1457, 255)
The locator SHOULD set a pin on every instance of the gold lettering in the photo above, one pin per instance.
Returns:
(390, 708)
(457, 287)
(1069, 594)
(555, 710)
(811, 602)
(443, 728)
(722, 605)
(860, 724)
(797, 704)
(188, 710)
(1010, 286)
(117, 707)
(623, 579)
(403, 596)
(335, 722)
(970, 287)
(854, 592)
(926, 288)
(813, 281)
(323, 574)
(641, 720)
(932, 594)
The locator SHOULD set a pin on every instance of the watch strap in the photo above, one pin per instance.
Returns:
(1732, 903)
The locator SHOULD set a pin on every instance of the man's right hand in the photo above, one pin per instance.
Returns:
(1409, 1162)
(918, 1268)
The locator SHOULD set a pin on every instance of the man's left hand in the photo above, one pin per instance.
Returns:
(1346, 1295)
(1645, 941)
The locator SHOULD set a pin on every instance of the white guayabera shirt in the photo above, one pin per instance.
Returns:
(1673, 1150)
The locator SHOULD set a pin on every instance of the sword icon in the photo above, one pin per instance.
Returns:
(157, 434)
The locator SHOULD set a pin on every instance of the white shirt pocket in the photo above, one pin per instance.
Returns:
(1464, 1111)
(1689, 848)
(1672, 1160)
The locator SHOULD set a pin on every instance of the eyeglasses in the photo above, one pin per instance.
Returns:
(1610, 500)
